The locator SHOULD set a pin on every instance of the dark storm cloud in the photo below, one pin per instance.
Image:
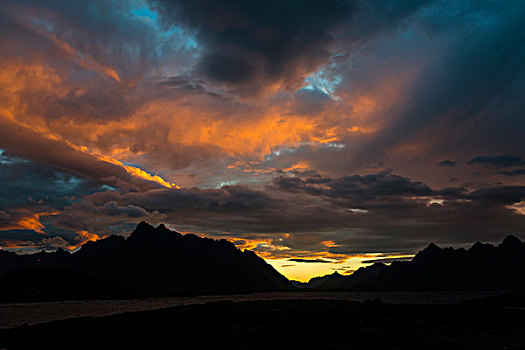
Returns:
(33, 194)
(385, 260)
(502, 161)
(20, 235)
(472, 89)
(360, 213)
(29, 183)
(447, 163)
(223, 200)
(31, 241)
(259, 40)
(501, 195)
(251, 44)
(230, 208)
(386, 190)
(104, 219)
(214, 208)
(361, 191)
(310, 260)
(111, 209)
(401, 213)
(515, 172)
(499, 162)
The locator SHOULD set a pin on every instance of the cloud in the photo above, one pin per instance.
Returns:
(36, 185)
(249, 47)
(85, 216)
(287, 124)
(447, 163)
(356, 186)
(386, 260)
(311, 101)
(456, 92)
(502, 164)
(502, 161)
(55, 242)
(259, 42)
(21, 141)
(309, 260)
(514, 172)
(300, 212)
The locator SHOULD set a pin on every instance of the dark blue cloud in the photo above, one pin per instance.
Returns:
(251, 44)
(28, 183)
(505, 165)
(515, 172)
(447, 163)
(503, 161)
(469, 97)
(310, 260)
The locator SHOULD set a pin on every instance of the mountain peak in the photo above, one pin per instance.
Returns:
(144, 233)
(510, 241)
(427, 253)
(158, 261)
(143, 226)
(142, 229)
(478, 246)
(429, 249)
(433, 246)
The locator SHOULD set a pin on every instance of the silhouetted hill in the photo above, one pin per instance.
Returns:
(483, 266)
(10, 260)
(152, 261)
(35, 283)
(326, 282)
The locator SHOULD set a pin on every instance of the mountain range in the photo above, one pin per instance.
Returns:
(483, 266)
(160, 262)
(151, 261)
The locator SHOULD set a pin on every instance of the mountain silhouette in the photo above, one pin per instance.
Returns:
(483, 266)
(157, 261)
(151, 261)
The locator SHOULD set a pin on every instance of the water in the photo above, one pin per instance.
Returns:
(12, 315)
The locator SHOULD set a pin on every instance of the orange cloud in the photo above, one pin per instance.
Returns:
(14, 244)
(83, 237)
(329, 244)
(28, 221)
(162, 129)
(135, 171)
(519, 208)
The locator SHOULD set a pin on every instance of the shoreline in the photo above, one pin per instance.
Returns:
(15, 314)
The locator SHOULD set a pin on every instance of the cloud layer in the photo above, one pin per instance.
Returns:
(303, 130)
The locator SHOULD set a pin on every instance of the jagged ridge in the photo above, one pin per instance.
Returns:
(152, 261)
(483, 266)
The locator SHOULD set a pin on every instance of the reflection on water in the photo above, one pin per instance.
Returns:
(12, 315)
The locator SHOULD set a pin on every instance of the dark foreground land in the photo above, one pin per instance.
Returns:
(490, 323)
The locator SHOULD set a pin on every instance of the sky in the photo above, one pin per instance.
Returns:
(323, 135)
